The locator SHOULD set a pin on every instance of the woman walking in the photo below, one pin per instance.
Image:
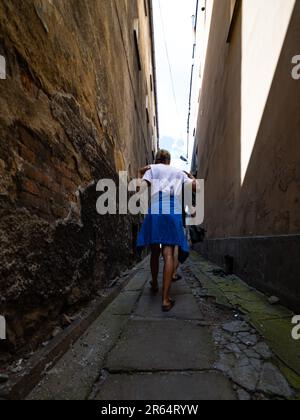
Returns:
(163, 226)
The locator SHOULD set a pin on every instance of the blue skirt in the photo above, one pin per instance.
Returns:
(163, 225)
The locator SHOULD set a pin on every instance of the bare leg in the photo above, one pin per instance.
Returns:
(176, 262)
(168, 254)
(155, 254)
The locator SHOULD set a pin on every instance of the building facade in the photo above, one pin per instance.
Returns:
(77, 104)
(247, 140)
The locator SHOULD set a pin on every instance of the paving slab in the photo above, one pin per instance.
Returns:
(178, 288)
(272, 322)
(138, 282)
(144, 353)
(186, 308)
(125, 303)
(273, 382)
(198, 386)
(74, 375)
(162, 345)
(277, 333)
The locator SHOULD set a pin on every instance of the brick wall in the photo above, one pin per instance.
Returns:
(72, 110)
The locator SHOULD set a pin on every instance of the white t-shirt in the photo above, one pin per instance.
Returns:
(166, 179)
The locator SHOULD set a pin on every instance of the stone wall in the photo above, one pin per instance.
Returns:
(78, 104)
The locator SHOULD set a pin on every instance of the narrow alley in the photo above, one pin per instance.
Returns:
(139, 130)
(204, 350)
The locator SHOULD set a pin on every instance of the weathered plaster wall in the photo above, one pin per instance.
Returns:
(248, 143)
(72, 110)
(258, 195)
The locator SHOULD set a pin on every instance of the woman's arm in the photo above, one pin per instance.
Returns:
(189, 175)
(194, 184)
(142, 171)
(143, 184)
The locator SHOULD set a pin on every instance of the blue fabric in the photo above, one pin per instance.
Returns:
(163, 225)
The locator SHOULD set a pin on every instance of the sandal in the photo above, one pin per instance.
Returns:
(168, 308)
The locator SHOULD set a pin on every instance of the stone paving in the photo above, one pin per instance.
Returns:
(200, 351)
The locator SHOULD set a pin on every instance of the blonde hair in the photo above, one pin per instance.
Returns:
(163, 156)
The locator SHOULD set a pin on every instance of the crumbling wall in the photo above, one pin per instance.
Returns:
(72, 111)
